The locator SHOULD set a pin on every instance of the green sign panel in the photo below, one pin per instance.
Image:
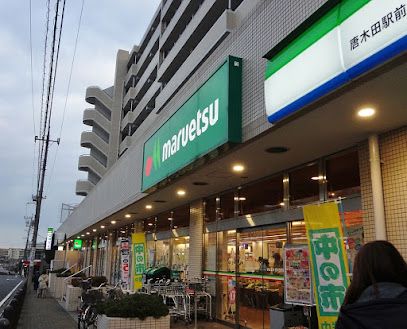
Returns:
(211, 117)
(77, 244)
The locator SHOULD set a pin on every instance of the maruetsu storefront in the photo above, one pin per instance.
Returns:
(225, 189)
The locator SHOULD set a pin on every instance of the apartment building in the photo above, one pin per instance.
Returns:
(181, 35)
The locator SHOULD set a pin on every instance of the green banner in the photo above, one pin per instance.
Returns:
(211, 117)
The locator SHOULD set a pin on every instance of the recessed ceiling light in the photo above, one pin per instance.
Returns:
(181, 192)
(113, 222)
(317, 177)
(78, 237)
(277, 149)
(82, 234)
(149, 206)
(87, 233)
(281, 204)
(175, 227)
(102, 226)
(94, 230)
(170, 218)
(127, 216)
(366, 112)
(238, 168)
(150, 224)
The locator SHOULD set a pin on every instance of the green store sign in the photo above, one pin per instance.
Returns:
(77, 244)
(210, 118)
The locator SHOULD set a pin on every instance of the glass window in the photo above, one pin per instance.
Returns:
(304, 184)
(162, 253)
(180, 253)
(227, 251)
(150, 253)
(262, 196)
(210, 251)
(227, 205)
(298, 232)
(210, 210)
(342, 174)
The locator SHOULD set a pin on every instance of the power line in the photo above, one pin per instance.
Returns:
(68, 90)
(32, 76)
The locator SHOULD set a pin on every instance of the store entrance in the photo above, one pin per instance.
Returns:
(260, 276)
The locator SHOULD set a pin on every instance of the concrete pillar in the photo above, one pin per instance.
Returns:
(377, 188)
(196, 225)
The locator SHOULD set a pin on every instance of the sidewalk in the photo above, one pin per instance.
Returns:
(46, 313)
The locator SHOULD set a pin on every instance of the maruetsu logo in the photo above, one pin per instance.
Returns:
(196, 128)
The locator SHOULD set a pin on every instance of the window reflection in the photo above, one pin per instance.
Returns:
(304, 184)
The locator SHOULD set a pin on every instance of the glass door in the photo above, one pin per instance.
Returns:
(260, 276)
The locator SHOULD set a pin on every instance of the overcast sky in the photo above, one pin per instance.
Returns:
(107, 25)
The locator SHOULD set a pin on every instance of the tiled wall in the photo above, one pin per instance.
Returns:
(393, 154)
(196, 240)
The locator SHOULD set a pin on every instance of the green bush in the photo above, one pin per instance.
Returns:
(134, 306)
(64, 275)
(98, 280)
(58, 271)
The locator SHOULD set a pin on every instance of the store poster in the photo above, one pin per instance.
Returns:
(329, 262)
(125, 262)
(297, 275)
(139, 258)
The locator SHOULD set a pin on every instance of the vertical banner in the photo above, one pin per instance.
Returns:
(124, 262)
(48, 243)
(139, 258)
(329, 261)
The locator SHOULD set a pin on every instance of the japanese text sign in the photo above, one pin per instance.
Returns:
(328, 260)
(125, 260)
(139, 258)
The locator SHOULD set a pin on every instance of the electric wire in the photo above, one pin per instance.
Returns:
(32, 94)
(67, 92)
(44, 71)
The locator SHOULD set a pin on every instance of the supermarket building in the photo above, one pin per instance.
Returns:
(225, 121)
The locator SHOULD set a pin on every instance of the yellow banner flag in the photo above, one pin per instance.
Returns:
(139, 258)
(329, 261)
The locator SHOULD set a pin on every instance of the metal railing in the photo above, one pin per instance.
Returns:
(11, 306)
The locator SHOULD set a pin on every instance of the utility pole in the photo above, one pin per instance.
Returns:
(46, 131)
(30, 224)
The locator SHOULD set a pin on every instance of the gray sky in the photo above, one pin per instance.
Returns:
(106, 27)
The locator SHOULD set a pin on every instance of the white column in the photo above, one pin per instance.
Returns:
(377, 188)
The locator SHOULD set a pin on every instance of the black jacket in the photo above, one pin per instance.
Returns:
(387, 310)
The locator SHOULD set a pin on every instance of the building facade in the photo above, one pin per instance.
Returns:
(225, 121)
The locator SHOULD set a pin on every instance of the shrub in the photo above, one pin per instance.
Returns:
(134, 306)
(98, 280)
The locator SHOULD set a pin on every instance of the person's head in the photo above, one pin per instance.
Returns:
(377, 261)
(44, 272)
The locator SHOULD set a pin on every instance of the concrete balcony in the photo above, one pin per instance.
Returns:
(94, 93)
(170, 27)
(215, 35)
(185, 36)
(169, 4)
(135, 68)
(132, 116)
(83, 187)
(91, 116)
(124, 145)
(131, 95)
(89, 139)
(88, 162)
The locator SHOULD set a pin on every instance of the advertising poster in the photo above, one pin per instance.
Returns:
(125, 262)
(139, 258)
(297, 275)
(329, 262)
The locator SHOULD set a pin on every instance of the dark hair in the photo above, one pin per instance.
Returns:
(377, 261)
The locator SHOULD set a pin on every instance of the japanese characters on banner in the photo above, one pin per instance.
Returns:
(125, 262)
(297, 275)
(139, 258)
(328, 260)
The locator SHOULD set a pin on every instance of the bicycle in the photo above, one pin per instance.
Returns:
(87, 315)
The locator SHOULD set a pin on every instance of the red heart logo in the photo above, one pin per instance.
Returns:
(149, 165)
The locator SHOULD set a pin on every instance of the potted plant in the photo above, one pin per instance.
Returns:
(133, 311)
